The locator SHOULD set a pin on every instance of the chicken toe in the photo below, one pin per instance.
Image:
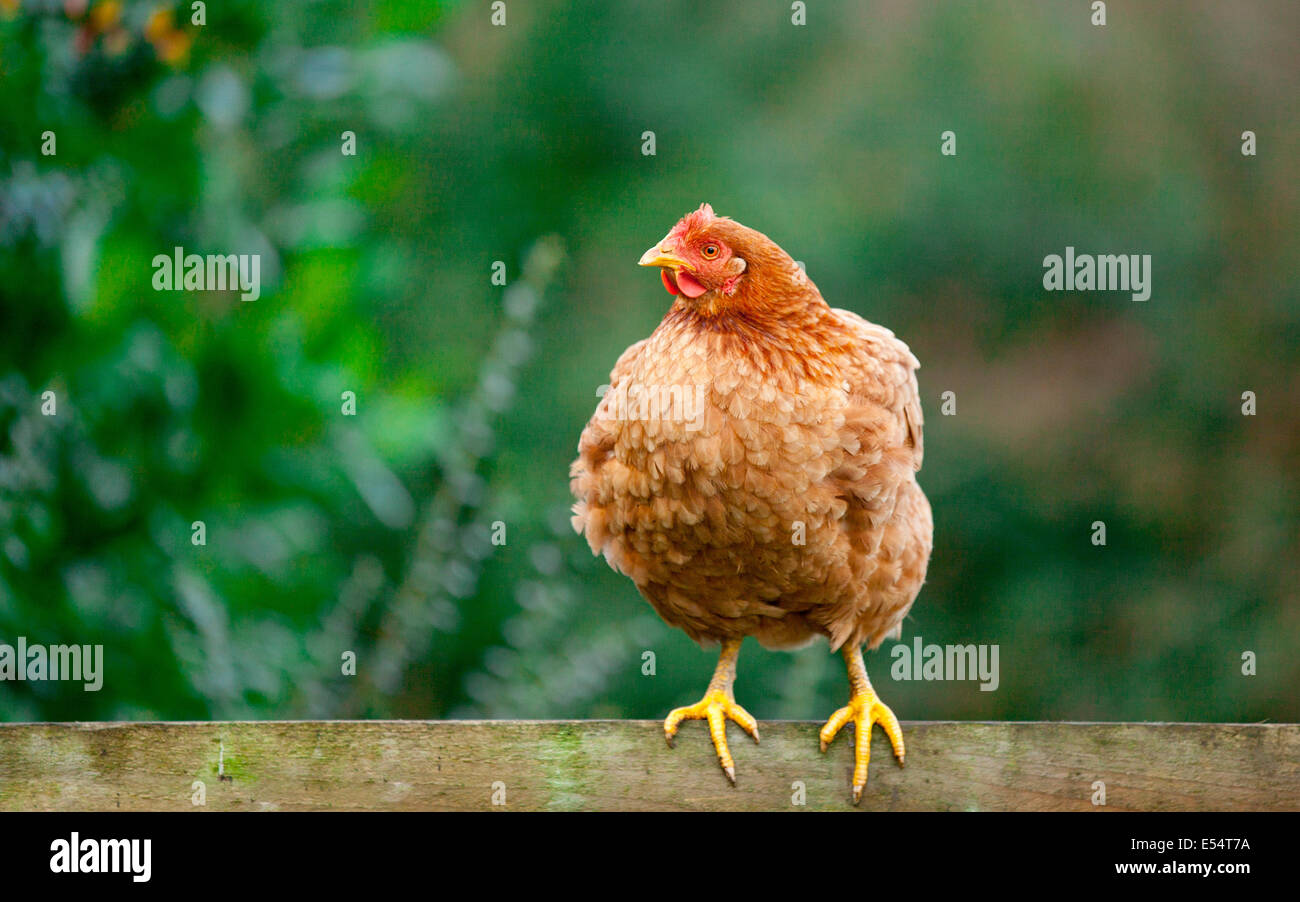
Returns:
(718, 704)
(864, 709)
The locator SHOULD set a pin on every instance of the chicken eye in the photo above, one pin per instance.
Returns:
(709, 251)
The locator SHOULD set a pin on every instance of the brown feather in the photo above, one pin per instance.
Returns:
(812, 415)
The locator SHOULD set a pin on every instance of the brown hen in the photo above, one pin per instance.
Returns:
(752, 469)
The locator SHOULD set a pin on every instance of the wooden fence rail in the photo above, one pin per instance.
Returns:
(625, 765)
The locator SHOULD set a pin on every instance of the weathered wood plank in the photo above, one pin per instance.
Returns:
(625, 765)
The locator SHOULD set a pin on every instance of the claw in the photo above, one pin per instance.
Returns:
(864, 709)
(716, 707)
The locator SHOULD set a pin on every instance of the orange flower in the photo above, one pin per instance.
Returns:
(105, 15)
(174, 47)
(159, 24)
(170, 43)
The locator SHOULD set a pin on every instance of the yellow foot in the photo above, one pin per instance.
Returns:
(864, 709)
(715, 707)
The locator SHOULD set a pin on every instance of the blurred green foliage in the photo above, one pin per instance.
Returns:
(329, 533)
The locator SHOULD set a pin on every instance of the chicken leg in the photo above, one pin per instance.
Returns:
(864, 709)
(718, 704)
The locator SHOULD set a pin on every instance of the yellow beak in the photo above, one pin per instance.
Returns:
(657, 257)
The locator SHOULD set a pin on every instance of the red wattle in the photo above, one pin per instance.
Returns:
(688, 286)
(668, 282)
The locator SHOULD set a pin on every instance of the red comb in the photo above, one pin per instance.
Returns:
(691, 221)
